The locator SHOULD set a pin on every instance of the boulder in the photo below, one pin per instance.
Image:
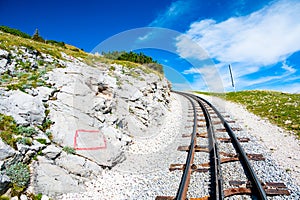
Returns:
(53, 180)
(77, 165)
(6, 151)
(73, 164)
(24, 108)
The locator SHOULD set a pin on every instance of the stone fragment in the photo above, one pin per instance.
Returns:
(52, 180)
(3, 53)
(3, 63)
(4, 183)
(51, 152)
(6, 151)
(23, 197)
(78, 165)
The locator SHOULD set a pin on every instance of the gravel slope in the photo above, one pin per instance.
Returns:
(144, 174)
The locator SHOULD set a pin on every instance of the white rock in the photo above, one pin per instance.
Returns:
(6, 151)
(53, 180)
(45, 197)
(3, 63)
(23, 197)
(3, 53)
(24, 108)
(51, 151)
(74, 164)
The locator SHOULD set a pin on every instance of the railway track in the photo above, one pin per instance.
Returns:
(213, 130)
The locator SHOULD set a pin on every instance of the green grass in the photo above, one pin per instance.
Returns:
(8, 41)
(69, 150)
(282, 109)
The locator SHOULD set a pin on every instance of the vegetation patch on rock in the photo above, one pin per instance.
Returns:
(19, 175)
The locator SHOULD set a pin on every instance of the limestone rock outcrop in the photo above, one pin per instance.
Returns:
(84, 117)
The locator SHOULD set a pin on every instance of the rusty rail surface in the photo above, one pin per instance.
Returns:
(185, 179)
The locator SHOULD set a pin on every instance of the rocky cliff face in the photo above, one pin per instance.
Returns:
(83, 116)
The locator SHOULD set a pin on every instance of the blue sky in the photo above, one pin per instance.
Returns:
(259, 38)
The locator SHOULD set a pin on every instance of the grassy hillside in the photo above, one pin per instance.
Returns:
(282, 109)
(9, 41)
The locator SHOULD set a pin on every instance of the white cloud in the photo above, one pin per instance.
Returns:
(188, 48)
(145, 37)
(264, 37)
(174, 11)
(245, 82)
(210, 78)
(288, 68)
(290, 88)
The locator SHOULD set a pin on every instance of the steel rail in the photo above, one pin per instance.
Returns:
(257, 188)
(217, 181)
(185, 179)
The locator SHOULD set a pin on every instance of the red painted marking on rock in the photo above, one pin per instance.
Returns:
(88, 148)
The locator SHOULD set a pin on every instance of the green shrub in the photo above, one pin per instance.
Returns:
(8, 128)
(69, 150)
(14, 32)
(53, 42)
(19, 175)
(140, 58)
(26, 131)
(25, 141)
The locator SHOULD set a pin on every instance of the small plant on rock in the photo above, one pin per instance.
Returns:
(8, 129)
(37, 196)
(4, 197)
(69, 150)
(25, 141)
(26, 131)
(49, 135)
(41, 140)
(19, 175)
